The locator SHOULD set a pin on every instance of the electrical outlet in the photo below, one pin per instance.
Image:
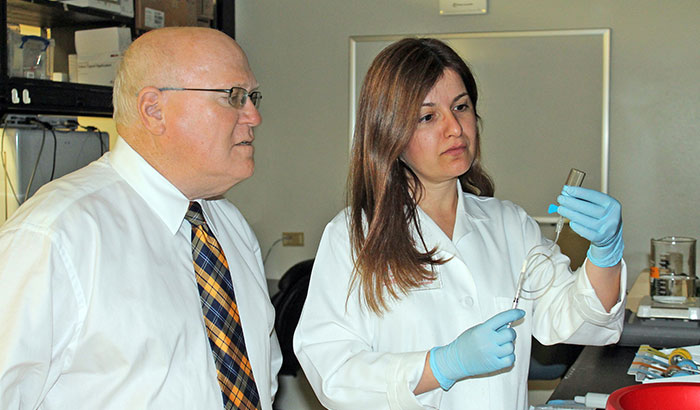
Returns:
(292, 238)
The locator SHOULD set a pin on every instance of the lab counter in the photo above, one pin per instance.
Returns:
(598, 369)
(603, 369)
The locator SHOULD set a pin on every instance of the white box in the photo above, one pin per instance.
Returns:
(123, 7)
(110, 40)
(60, 77)
(73, 68)
(98, 69)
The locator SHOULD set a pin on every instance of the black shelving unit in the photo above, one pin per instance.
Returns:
(32, 96)
(45, 13)
(225, 17)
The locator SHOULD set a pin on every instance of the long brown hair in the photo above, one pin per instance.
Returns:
(382, 191)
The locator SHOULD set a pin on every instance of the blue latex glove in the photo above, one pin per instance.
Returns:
(596, 217)
(481, 349)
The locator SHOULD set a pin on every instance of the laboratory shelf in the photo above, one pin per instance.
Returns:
(34, 96)
(30, 96)
(45, 13)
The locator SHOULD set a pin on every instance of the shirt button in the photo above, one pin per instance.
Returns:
(468, 301)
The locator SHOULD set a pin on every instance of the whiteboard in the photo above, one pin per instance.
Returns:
(543, 101)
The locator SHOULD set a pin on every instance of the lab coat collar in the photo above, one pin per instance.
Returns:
(162, 197)
(465, 218)
(466, 215)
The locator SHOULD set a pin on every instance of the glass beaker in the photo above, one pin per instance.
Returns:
(672, 268)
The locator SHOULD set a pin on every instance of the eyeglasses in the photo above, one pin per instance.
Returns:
(237, 96)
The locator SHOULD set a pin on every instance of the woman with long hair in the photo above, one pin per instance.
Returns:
(409, 304)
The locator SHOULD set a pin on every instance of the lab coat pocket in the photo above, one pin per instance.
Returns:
(429, 285)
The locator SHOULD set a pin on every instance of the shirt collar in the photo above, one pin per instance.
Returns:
(162, 197)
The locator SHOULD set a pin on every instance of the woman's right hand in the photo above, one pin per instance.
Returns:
(484, 348)
(597, 217)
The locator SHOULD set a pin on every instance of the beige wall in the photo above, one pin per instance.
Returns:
(299, 52)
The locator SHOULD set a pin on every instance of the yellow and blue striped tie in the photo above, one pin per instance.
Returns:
(221, 316)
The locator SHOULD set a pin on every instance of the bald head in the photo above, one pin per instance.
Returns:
(165, 58)
(172, 106)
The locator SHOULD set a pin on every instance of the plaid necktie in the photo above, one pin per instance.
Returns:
(221, 316)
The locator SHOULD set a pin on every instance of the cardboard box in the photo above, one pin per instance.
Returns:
(98, 69)
(112, 40)
(123, 7)
(150, 14)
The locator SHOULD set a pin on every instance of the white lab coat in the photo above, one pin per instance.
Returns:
(355, 359)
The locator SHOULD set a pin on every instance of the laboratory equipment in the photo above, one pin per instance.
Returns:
(519, 286)
(539, 255)
(575, 178)
(672, 269)
(672, 306)
(662, 324)
(535, 262)
(650, 364)
(38, 149)
(29, 56)
(593, 400)
(655, 396)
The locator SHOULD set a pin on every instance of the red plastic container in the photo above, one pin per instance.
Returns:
(656, 396)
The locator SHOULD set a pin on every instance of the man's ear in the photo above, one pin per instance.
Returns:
(150, 108)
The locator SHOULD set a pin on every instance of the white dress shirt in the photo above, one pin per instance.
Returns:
(355, 359)
(100, 307)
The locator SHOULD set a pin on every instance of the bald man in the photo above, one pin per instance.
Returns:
(131, 283)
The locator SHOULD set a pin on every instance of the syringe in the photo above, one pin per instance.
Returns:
(519, 286)
(532, 261)
(575, 178)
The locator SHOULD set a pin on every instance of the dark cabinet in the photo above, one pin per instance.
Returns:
(36, 96)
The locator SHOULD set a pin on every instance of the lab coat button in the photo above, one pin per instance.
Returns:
(468, 301)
